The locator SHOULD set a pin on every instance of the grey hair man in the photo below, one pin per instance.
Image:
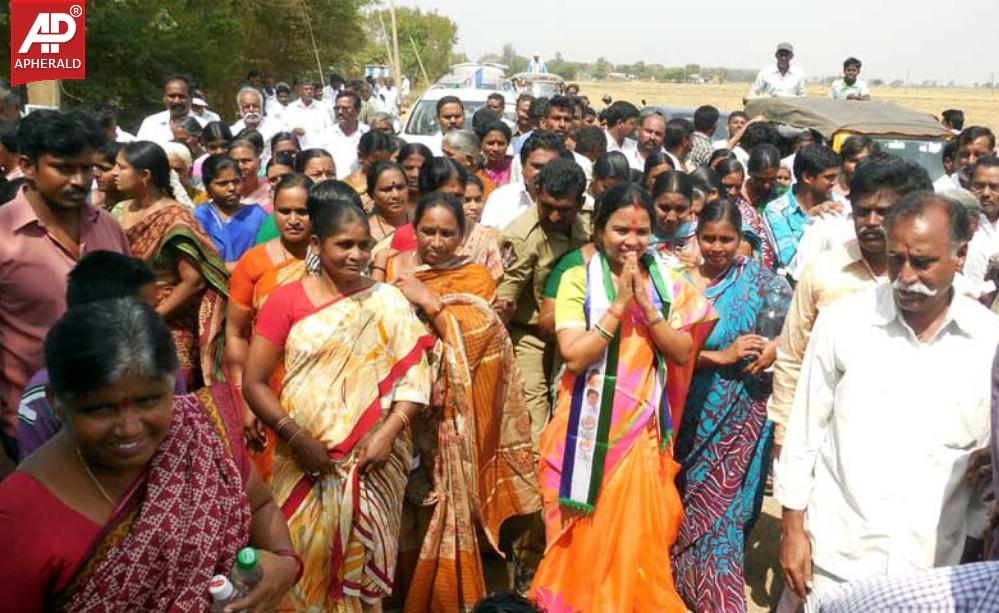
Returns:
(912, 358)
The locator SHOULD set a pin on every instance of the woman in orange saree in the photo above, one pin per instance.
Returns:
(474, 441)
(258, 272)
(192, 283)
(355, 375)
(629, 329)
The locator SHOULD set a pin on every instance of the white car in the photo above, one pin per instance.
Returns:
(421, 125)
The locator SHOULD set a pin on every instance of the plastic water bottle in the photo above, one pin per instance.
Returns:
(776, 303)
(222, 592)
(246, 572)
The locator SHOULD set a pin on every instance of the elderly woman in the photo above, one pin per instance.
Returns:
(464, 147)
(180, 162)
(474, 442)
(143, 496)
(382, 122)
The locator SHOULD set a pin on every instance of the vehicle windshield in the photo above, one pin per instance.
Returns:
(423, 118)
(925, 152)
(538, 89)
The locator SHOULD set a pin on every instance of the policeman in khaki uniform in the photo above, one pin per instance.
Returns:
(531, 245)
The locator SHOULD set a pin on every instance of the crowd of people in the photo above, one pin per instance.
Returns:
(540, 344)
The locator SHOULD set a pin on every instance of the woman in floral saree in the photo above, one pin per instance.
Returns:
(192, 283)
(724, 437)
(142, 497)
(629, 329)
(356, 374)
(477, 467)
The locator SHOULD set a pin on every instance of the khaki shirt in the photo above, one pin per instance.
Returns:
(529, 254)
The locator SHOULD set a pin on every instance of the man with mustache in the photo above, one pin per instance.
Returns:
(347, 131)
(859, 265)
(892, 401)
(251, 115)
(985, 243)
(651, 131)
(44, 231)
(177, 100)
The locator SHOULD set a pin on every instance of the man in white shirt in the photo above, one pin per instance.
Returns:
(250, 102)
(985, 244)
(893, 398)
(450, 116)
(308, 119)
(974, 142)
(507, 202)
(390, 95)
(200, 108)
(278, 105)
(651, 131)
(177, 100)
(622, 119)
(536, 65)
(333, 87)
(780, 80)
(850, 87)
(346, 133)
(557, 118)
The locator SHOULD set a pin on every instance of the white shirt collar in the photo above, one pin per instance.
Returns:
(958, 312)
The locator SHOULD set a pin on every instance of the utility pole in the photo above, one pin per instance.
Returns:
(419, 61)
(397, 63)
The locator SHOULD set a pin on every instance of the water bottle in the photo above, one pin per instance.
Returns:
(222, 592)
(776, 303)
(246, 572)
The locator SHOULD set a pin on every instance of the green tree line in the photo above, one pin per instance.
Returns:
(133, 44)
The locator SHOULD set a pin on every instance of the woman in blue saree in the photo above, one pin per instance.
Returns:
(724, 436)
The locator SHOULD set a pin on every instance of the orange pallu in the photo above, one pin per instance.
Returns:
(478, 443)
(610, 523)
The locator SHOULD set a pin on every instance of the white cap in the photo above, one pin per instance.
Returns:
(220, 588)
(199, 102)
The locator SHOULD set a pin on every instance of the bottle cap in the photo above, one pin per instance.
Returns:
(220, 587)
(247, 558)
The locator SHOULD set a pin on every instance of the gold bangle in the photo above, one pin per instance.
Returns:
(281, 424)
(655, 321)
(405, 418)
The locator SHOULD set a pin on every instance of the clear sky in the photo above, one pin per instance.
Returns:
(933, 40)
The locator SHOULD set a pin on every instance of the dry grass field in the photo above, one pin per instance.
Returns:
(981, 106)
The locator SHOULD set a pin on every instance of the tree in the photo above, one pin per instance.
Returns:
(133, 44)
(601, 68)
(431, 34)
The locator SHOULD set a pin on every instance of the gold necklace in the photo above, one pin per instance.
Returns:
(93, 477)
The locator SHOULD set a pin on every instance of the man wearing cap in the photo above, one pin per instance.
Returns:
(200, 108)
(177, 100)
(536, 65)
(780, 80)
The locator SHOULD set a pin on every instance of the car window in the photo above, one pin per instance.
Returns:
(423, 118)
(926, 153)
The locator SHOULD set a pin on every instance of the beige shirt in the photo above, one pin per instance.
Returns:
(838, 273)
